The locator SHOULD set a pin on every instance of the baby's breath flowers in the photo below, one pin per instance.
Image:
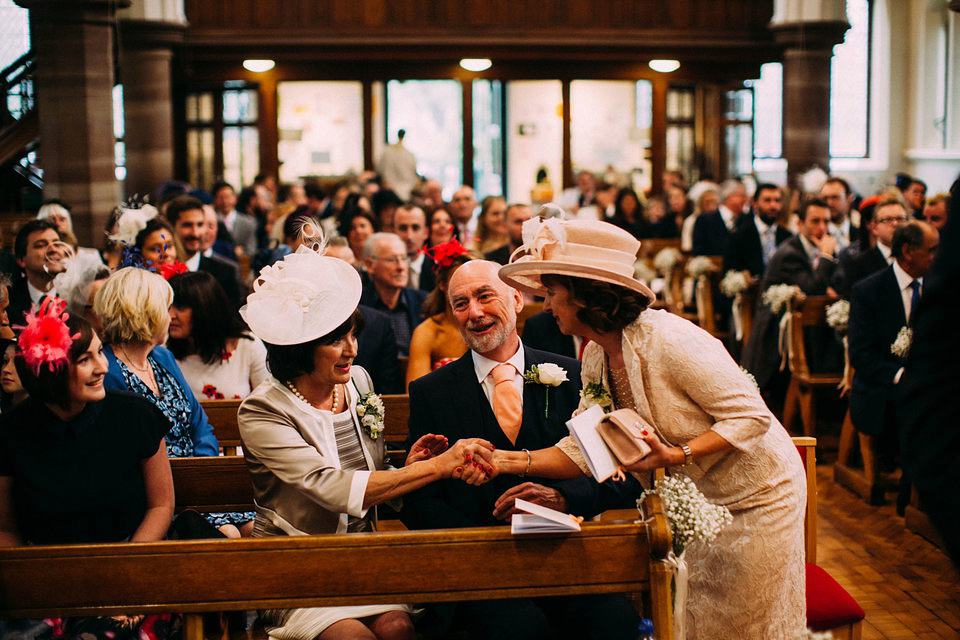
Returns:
(691, 517)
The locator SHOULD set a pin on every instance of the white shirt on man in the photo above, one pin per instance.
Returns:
(483, 367)
(416, 267)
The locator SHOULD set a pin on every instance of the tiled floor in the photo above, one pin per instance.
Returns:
(906, 585)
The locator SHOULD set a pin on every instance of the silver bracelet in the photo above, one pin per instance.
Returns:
(687, 454)
(529, 462)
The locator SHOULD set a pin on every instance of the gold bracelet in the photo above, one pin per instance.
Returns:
(529, 462)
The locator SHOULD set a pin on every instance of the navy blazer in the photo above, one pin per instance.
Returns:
(450, 401)
(412, 300)
(377, 352)
(854, 266)
(876, 317)
(710, 235)
(745, 249)
(540, 331)
(20, 301)
(224, 273)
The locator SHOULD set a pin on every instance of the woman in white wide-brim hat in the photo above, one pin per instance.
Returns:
(709, 423)
(312, 432)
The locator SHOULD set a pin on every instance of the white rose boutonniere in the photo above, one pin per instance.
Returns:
(370, 412)
(547, 374)
(901, 346)
(596, 393)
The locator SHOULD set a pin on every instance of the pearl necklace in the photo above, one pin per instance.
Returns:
(336, 397)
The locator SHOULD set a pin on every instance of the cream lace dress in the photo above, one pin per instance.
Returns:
(749, 583)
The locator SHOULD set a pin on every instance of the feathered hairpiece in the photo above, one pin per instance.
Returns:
(132, 216)
(46, 339)
(444, 253)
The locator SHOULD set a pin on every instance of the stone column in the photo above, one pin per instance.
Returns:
(73, 45)
(808, 48)
(146, 48)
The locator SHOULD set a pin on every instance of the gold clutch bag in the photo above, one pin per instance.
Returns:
(620, 431)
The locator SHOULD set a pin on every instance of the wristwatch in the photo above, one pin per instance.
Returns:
(687, 454)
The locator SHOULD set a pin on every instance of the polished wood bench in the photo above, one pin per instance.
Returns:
(194, 577)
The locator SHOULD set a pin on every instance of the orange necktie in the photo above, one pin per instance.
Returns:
(506, 400)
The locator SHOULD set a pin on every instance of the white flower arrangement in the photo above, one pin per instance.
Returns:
(901, 346)
(370, 412)
(691, 517)
(777, 295)
(643, 272)
(814, 635)
(699, 266)
(548, 374)
(838, 315)
(733, 282)
(666, 259)
(596, 393)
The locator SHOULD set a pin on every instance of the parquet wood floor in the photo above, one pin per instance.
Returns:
(906, 585)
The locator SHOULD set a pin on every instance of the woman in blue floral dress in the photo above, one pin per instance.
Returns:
(133, 307)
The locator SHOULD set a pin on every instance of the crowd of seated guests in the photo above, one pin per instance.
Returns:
(164, 296)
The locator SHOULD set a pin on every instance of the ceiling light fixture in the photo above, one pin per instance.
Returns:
(258, 65)
(664, 66)
(476, 64)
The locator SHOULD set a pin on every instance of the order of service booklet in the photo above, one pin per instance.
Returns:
(538, 519)
(583, 428)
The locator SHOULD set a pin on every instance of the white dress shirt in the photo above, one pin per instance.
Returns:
(482, 366)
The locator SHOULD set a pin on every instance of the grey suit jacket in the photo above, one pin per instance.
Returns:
(790, 264)
(245, 233)
(291, 452)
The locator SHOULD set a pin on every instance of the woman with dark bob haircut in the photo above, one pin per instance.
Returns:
(701, 416)
(217, 355)
(78, 463)
(313, 433)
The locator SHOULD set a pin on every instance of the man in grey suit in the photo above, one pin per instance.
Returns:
(805, 260)
(241, 226)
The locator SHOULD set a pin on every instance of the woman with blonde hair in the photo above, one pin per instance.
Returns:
(133, 307)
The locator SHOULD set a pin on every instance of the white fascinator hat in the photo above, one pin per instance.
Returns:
(301, 298)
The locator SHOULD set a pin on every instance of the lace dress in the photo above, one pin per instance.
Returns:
(749, 583)
(175, 405)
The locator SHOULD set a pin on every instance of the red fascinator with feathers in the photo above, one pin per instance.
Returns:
(46, 339)
(444, 253)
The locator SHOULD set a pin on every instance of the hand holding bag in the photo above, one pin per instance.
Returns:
(620, 431)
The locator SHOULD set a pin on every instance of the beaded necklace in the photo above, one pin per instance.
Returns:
(336, 396)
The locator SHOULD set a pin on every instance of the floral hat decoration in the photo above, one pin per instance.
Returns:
(302, 297)
(445, 253)
(132, 218)
(46, 339)
(589, 249)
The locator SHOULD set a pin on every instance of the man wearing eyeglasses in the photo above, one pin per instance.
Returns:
(889, 215)
(385, 258)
